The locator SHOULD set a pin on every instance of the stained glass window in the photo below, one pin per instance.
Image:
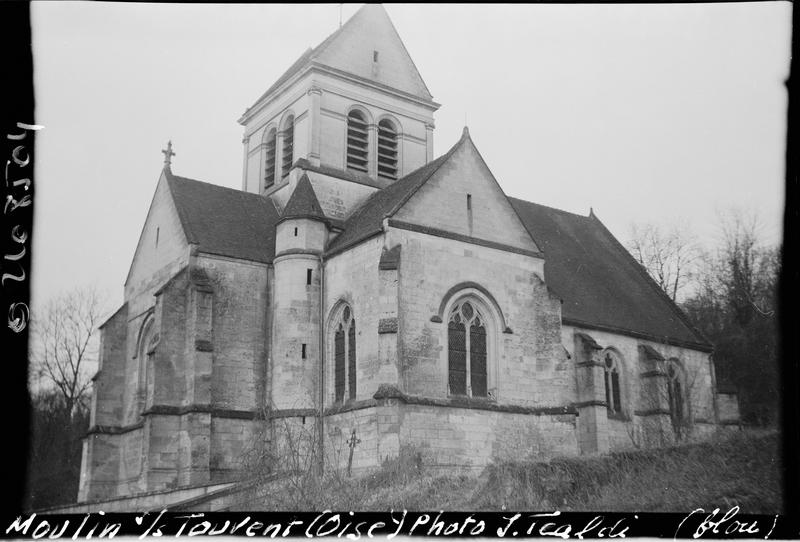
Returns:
(466, 351)
(611, 377)
(344, 353)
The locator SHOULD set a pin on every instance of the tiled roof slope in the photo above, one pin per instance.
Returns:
(303, 202)
(225, 221)
(600, 283)
(368, 219)
(350, 47)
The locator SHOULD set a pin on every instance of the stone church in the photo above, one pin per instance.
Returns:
(380, 297)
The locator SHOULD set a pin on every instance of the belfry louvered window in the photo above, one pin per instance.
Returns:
(387, 150)
(613, 397)
(269, 165)
(287, 151)
(344, 355)
(466, 351)
(357, 141)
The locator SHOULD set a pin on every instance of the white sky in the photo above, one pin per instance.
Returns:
(663, 113)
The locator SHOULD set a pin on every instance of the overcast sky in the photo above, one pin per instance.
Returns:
(654, 113)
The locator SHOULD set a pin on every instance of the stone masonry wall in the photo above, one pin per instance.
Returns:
(632, 429)
(339, 432)
(100, 454)
(239, 332)
(530, 366)
(353, 277)
(471, 437)
(230, 438)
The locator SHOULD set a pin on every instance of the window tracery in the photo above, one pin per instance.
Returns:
(344, 352)
(611, 366)
(467, 351)
(675, 392)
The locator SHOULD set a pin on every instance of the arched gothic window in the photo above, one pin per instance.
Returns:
(357, 141)
(466, 351)
(287, 151)
(146, 347)
(675, 392)
(387, 149)
(612, 367)
(344, 356)
(269, 166)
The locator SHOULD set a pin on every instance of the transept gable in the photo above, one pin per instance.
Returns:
(163, 237)
(462, 197)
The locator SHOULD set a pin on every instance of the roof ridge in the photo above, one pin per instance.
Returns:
(308, 55)
(215, 185)
(548, 207)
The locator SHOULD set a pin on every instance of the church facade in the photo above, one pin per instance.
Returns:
(362, 290)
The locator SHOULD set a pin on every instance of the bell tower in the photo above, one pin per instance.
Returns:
(353, 113)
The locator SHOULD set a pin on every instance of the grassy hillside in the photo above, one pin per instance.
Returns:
(742, 469)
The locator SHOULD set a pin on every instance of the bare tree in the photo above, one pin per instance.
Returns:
(735, 306)
(668, 256)
(65, 345)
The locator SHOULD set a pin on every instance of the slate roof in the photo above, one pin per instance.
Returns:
(600, 283)
(225, 221)
(303, 202)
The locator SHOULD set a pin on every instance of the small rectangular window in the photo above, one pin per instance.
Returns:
(374, 56)
(303, 351)
(469, 202)
(295, 232)
(308, 277)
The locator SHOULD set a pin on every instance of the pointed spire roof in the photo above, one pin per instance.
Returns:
(303, 202)
(368, 47)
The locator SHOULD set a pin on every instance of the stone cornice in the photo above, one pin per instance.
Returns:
(436, 232)
(216, 412)
(387, 391)
(637, 335)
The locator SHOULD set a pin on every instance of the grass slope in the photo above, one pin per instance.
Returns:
(743, 469)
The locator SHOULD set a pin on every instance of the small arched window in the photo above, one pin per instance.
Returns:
(146, 347)
(611, 366)
(269, 165)
(357, 141)
(466, 351)
(344, 354)
(387, 149)
(676, 393)
(287, 150)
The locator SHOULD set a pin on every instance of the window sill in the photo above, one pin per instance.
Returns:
(618, 416)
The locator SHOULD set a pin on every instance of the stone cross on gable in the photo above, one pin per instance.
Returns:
(168, 154)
